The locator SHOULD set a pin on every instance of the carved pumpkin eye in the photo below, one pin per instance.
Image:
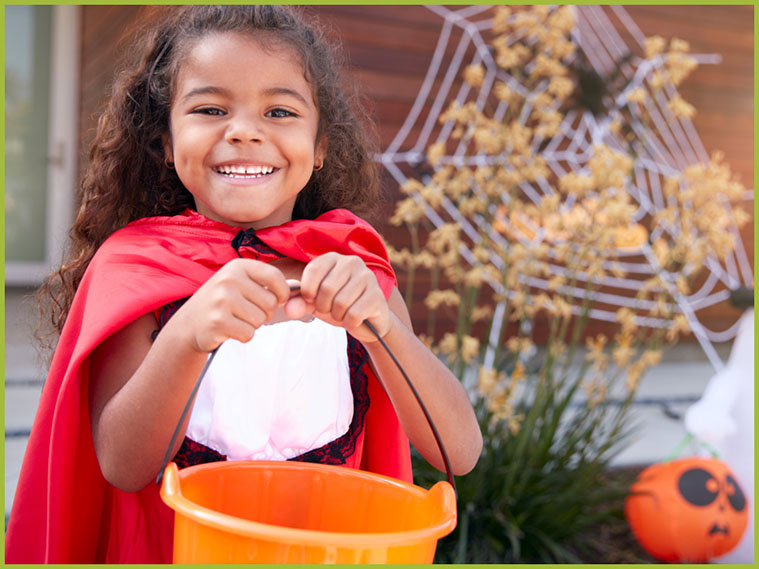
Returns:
(735, 494)
(696, 487)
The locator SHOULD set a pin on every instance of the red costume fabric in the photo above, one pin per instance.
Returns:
(64, 511)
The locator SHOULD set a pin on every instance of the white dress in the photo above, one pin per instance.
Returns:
(285, 392)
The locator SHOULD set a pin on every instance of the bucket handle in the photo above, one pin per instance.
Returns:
(430, 422)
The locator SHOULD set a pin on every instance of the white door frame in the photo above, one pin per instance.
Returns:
(62, 146)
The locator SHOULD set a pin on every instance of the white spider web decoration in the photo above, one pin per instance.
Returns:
(461, 43)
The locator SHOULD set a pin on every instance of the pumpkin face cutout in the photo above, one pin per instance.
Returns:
(687, 510)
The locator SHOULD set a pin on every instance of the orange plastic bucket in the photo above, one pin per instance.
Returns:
(287, 512)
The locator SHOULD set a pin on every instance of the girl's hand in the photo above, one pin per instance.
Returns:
(233, 303)
(342, 291)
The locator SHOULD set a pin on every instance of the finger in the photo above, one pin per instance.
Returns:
(364, 308)
(313, 275)
(331, 287)
(241, 330)
(346, 298)
(344, 272)
(253, 294)
(223, 326)
(269, 277)
(250, 314)
(296, 308)
(264, 286)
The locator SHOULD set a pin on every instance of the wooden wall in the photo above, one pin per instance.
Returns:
(389, 48)
(103, 30)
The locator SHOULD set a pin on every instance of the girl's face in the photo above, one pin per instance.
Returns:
(243, 128)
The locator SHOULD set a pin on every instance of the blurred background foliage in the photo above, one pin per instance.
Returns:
(522, 279)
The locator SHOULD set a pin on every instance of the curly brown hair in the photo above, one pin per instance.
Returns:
(126, 178)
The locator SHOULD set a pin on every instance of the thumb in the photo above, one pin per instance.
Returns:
(297, 307)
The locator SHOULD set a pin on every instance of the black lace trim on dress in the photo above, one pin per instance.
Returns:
(339, 450)
(192, 453)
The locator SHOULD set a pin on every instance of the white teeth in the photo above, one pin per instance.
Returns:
(239, 171)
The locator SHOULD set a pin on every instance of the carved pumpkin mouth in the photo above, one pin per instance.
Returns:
(718, 529)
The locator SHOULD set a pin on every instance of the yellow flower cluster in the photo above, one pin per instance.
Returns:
(409, 211)
(595, 390)
(541, 26)
(474, 75)
(435, 152)
(444, 242)
(506, 93)
(576, 184)
(677, 66)
(624, 350)
(406, 259)
(627, 320)
(520, 345)
(596, 355)
(681, 108)
(437, 298)
(698, 221)
(609, 168)
(467, 347)
(679, 326)
(635, 372)
(637, 95)
(653, 46)
(500, 392)
(480, 313)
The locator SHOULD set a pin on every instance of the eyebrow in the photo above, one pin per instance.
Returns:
(287, 92)
(209, 90)
(271, 91)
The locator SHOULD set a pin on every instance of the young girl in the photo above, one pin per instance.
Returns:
(211, 218)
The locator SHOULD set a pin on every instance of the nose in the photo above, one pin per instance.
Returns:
(244, 129)
(722, 498)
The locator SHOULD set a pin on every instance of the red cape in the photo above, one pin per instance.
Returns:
(64, 511)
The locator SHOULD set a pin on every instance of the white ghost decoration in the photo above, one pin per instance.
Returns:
(724, 419)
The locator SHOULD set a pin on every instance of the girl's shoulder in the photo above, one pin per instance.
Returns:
(185, 225)
(188, 218)
(345, 219)
(179, 234)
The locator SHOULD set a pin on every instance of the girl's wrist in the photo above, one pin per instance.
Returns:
(180, 335)
(383, 332)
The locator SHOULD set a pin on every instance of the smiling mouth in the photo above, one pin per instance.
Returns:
(244, 172)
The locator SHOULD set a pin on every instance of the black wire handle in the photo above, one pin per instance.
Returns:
(430, 422)
(184, 413)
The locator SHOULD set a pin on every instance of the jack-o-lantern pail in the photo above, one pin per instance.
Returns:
(687, 510)
(295, 512)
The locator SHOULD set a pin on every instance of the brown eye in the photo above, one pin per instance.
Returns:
(280, 113)
(211, 111)
(695, 487)
(735, 494)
